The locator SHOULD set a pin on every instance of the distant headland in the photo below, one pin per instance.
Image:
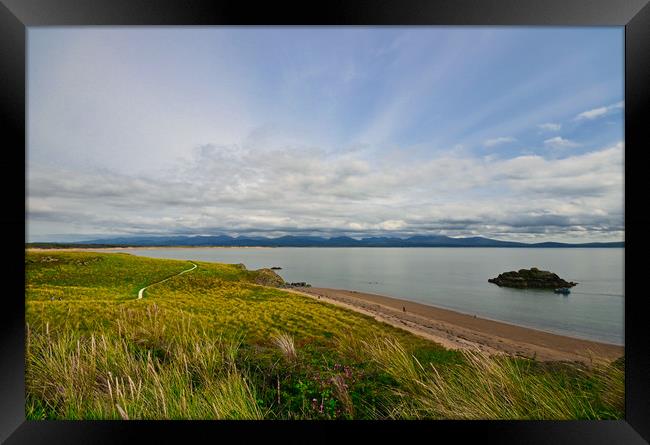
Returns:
(308, 241)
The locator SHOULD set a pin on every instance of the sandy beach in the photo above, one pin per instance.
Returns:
(455, 330)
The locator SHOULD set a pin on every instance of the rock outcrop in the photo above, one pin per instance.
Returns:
(266, 277)
(532, 278)
(297, 284)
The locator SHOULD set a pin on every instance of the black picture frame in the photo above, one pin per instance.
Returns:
(17, 15)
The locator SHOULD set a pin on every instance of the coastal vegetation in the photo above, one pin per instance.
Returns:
(224, 342)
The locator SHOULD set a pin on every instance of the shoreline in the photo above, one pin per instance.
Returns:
(447, 327)
(456, 330)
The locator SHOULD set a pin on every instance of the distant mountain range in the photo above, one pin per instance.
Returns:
(315, 241)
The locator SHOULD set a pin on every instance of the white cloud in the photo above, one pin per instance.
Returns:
(499, 141)
(599, 112)
(550, 126)
(560, 142)
(592, 114)
(243, 191)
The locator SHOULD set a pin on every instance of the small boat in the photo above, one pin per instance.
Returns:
(562, 290)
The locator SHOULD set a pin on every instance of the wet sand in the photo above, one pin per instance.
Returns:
(455, 330)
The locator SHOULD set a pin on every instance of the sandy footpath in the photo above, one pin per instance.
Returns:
(460, 331)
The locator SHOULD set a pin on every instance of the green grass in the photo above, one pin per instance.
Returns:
(213, 344)
(485, 387)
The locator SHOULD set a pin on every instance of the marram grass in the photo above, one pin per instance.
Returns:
(213, 344)
(137, 373)
(496, 387)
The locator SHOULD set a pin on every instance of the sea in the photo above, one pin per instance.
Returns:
(455, 278)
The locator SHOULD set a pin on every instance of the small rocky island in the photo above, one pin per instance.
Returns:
(532, 278)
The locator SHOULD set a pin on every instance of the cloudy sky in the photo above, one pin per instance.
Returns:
(509, 133)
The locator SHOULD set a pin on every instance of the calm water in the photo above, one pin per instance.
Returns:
(456, 278)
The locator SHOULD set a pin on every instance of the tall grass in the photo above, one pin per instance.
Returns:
(497, 387)
(141, 373)
(286, 345)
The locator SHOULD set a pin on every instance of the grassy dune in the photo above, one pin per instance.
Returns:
(214, 344)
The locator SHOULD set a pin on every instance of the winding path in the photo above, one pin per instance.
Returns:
(141, 292)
